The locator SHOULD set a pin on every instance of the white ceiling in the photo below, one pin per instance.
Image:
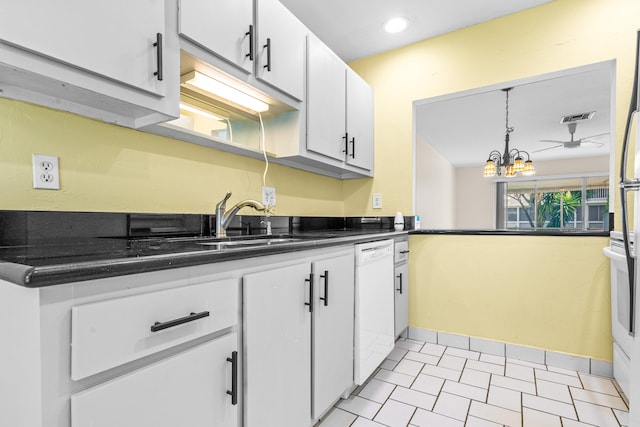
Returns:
(465, 128)
(353, 28)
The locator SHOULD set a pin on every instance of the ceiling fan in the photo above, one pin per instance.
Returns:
(572, 143)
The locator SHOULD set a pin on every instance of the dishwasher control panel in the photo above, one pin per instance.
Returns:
(369, 252)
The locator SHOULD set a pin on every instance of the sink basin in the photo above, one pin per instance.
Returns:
(239, 243)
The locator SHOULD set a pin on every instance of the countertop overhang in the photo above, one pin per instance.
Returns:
(63, 261)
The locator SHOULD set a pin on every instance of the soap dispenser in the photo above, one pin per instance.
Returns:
(398, 222)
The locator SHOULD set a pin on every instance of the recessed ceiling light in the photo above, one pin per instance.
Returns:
(395, 25)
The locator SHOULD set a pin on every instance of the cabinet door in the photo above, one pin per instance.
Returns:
(281, 48)
(220, 26)
(111, 38)
(277, 339)
(402, 298)
(189, 389)
(332, 330)
(359, 121)
(326, 101)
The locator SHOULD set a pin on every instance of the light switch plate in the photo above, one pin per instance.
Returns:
(377, 201)
(46, 172)
(268, 196)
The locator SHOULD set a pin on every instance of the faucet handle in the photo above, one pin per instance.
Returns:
(224, 200)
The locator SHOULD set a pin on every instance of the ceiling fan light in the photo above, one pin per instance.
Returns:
(490, 169)
(528, 168)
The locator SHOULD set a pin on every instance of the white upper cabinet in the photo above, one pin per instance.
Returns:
(339, 111)
(223, 27)
(326, 106)
(359, 121)
(81, 51)
(280, 46)
(114, 39)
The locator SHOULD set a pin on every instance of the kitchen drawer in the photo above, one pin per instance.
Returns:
(188, 389)
(401, 251)
(110, 333)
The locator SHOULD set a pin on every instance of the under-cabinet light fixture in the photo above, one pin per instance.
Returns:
(200, 112)
(201, 82)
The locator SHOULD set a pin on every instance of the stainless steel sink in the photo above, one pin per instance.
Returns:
(240, 243)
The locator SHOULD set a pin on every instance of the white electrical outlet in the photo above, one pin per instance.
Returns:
(268, 196)
(46, 173)
(376, 201)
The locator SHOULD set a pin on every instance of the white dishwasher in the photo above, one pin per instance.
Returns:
(374, 307)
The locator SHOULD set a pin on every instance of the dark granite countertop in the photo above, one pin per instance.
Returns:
(48, 262)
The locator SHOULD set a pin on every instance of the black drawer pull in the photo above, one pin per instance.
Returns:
(400, 280)
(310, 303)
(158, 46)
(404, 252)
(158, 326)
(234, 377)
(325, 276)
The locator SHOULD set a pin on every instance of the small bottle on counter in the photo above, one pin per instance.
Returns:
(416, 225)
(398, 222)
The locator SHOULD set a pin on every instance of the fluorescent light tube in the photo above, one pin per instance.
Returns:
(199, 112)
(217, 88)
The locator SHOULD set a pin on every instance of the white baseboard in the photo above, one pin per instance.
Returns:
(529, 354)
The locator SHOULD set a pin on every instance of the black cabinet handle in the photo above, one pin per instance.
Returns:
(158, 326)
(400, 288)
(310, 303)
(353, 147)
(325, 276)
(404, 252)
(346, 143)
(268, 47)
(158, 46)
(250, 34)
(234, 377)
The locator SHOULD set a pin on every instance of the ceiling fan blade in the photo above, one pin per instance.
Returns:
(595, 136)
(555, 141)
(545, 149)
(599, 144)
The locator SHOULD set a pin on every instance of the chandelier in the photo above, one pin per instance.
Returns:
(512, 159)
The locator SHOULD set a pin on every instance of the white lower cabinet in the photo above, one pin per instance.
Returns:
(332, 360)
(194, 388)
(401, 273)
(401, 298)
(298, 339)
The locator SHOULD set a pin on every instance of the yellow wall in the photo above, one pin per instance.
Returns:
(455, 279)
(109, 168)
(555, 36)
(538, 291)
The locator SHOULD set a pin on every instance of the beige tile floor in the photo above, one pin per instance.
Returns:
(429, 385)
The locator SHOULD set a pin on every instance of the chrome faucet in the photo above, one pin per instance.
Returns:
(223, 219)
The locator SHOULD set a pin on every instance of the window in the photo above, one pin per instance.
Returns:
(566, 204)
